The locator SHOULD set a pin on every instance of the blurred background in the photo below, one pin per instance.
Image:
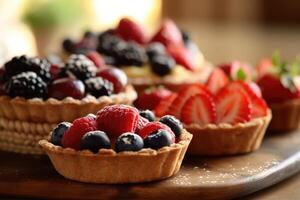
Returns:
(223, 29)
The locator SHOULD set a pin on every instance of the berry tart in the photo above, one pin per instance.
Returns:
(119, 140)
(280, 86)
(225, 117)
(35, 95)
(169, 57)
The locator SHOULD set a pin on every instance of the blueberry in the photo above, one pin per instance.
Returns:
(95, 140)
(129, 142)
(148, 115)
(58, 133)
(155, 48)
(173, 123)
(162, 64)
(158, 139)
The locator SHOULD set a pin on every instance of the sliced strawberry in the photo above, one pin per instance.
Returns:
(183, 95)
(168, 34)
(232, 106)
(216, 81)
(259, 106)
(149, 99)
(273, 91)
(263, 67)
(130, 30)
(162, 108)
(151, 127)
(199, 109)
(237, 70)
(182, 56)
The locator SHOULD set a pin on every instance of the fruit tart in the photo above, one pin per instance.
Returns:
(169, 57)
(36, 95)
(280, 86)
(119, 145)
(226, 117)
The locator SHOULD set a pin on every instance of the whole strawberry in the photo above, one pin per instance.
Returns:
(79, 127)
(117, 119)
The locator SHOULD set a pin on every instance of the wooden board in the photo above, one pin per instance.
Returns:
(199, 178)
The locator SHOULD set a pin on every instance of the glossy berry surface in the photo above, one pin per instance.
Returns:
(173, 123)
(162, 65)
(27, 85)
(129, 142)
(58, 133)
(79, 128)
(117, 119)
(152, 127)
(158, 139)
(96, 58)
(67, 87)
(98, 87)
(147, 114)
(116, 76)
(94, 141)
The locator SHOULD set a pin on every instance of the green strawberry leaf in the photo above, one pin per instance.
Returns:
(241, 75)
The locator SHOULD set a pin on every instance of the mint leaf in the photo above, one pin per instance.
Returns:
(276, 58)
(241, 75)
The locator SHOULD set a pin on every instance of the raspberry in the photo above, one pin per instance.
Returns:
(153, 127)
(117, 119)
(79, 128)
(141, 123)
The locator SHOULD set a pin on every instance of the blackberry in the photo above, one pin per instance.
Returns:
(155, 48)
(69, 46)
(24, 64)
(162, 65)
(131, 54)
(99, 87)
(89, 34)
(81, 67)
(103, 35)
(110, 45)
(27, 85)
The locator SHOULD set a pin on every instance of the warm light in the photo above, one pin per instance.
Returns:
(109, 12)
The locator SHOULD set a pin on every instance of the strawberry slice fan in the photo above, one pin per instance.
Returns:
(225, 117)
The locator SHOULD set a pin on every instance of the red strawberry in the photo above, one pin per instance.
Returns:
(149, 99)
(154, 126)
(182, 56)
(216, 81)
(79, 128)
(183, 95)
(96, 58)
(117, 119)
(163, 107)
(263, 67)
(199, 109)
(130, 30)
(232, 107)
(237, 70)
(168, 34)
(141, 123)
(259, 106)
(273, 91)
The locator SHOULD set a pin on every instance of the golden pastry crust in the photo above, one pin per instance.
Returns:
(110, 167)
(19, 148)
(226, 139)
(286, 116)
(41, 129)
(23, 139)
(54, 111)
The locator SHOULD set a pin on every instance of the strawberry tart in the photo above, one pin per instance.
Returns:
(35, 95)
(225, 117)
(280, 86)
(119, 140)
(168, 57)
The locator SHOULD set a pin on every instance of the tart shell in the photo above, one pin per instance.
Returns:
(226, 139)
(110, 167)
(286, 116)
(54, 111)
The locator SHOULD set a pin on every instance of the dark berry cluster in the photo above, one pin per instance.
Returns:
(31, 77)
